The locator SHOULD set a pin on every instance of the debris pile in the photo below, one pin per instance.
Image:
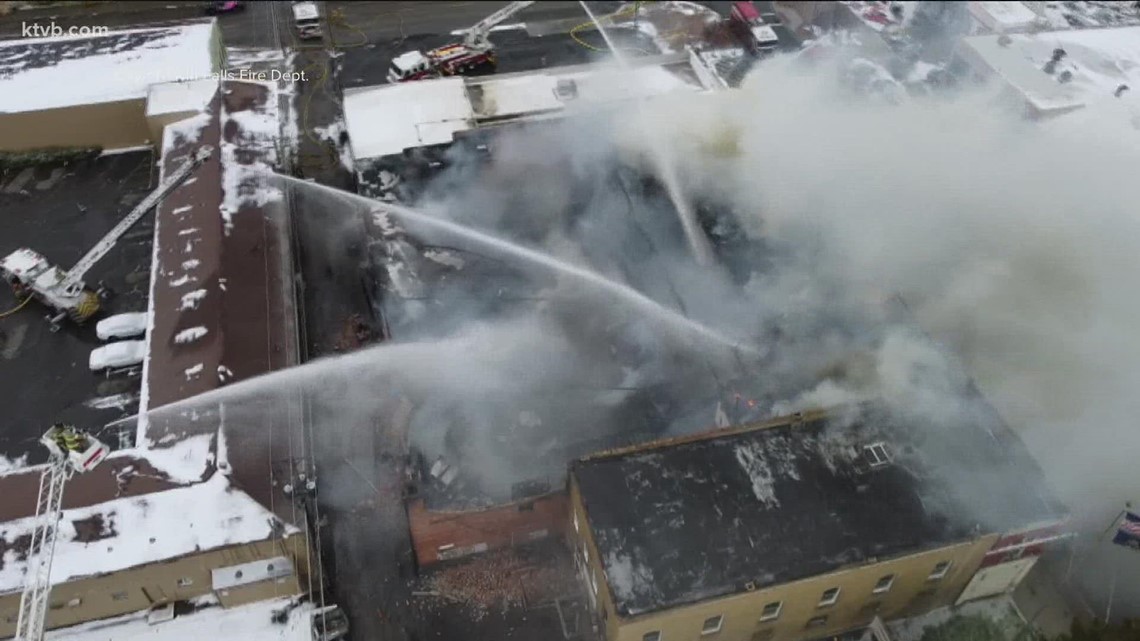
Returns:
(503, 579)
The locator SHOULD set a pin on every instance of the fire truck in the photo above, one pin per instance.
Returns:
(30, 274)
(474, 55)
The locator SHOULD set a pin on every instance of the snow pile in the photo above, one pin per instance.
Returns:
(190, 335)
(190, 300)
(140, 530)
(194, 371)
(626, 578)
(186, 461)
(46, 73)
(388, 119)
(251, 622)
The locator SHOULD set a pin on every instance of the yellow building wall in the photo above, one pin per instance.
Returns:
(111, 125)
(142, 587)
(911, 593)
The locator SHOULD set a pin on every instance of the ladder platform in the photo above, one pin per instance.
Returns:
(82, 451)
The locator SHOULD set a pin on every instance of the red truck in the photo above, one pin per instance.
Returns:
(749, 26)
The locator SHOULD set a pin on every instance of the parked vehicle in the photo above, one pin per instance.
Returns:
(117, 355)
(219, 8)
(750, 27)
(474, 55)
(122, 326)
(307, 20)
(329, 624)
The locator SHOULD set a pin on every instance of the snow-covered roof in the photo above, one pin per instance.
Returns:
(1003, 17)
(134, 531)
(388, 119)
(46, 73)
(385, 120)
(253, 622)
(1099, 61)
(180, 96)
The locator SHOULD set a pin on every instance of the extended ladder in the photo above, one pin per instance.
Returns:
(41, 550)
(75, 274)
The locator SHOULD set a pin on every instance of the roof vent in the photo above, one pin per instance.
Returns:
(566, 89)
(877, 455)
(1065, 76)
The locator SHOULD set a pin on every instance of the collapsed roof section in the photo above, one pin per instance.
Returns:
(694, 518)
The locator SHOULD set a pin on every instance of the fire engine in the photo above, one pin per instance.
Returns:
(29, 273)
(474, 55)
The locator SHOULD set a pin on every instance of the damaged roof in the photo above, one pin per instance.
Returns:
(689, 519)
(61, 71)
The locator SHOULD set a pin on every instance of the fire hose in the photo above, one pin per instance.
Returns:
(16, 308)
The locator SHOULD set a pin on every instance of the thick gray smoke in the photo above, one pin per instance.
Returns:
(1015, 244)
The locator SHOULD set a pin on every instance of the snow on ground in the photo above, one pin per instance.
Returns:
(332, 133)
(1083, 15)
(253, 622)
(190, 335)
(193, 372)
(1001, 609)
(118, 401)
(45, 73)
(135, 531)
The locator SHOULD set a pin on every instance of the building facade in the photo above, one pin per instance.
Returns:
(799, 528)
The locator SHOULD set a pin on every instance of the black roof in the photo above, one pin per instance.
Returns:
(682, 521)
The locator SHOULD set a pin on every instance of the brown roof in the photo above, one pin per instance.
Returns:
(246, 308)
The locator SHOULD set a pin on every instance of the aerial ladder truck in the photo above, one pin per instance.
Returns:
(71, 451)
(475, 54)
(30, 274)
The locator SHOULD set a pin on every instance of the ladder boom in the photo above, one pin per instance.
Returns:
(41, 550)
(95, 254)
(477, 35)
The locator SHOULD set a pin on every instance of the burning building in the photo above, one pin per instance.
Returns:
(803, 527)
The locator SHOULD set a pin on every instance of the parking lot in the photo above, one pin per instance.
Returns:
(61, 212)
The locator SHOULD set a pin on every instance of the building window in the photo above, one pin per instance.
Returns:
(877, 454)
(829, 597)
(75, 603)
(817, 622)
(939, 571)
(712, 625)
(187, 581)
(651, 636)
(884, 584)
(118, 596)
(771, 611)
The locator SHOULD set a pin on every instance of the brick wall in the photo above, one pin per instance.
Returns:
(438, 536)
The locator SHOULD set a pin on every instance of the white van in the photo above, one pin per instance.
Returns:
(307, 20)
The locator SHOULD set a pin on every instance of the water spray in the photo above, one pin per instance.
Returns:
(666, 168)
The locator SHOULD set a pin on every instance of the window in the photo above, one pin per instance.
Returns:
(829, 597)
(651, 636)
(771, 611)
(877, 454)
(817, 622)
(187, 581)
(118, 596)
(884, 584)
(939, 571)
(75, 603)
(712, 625)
